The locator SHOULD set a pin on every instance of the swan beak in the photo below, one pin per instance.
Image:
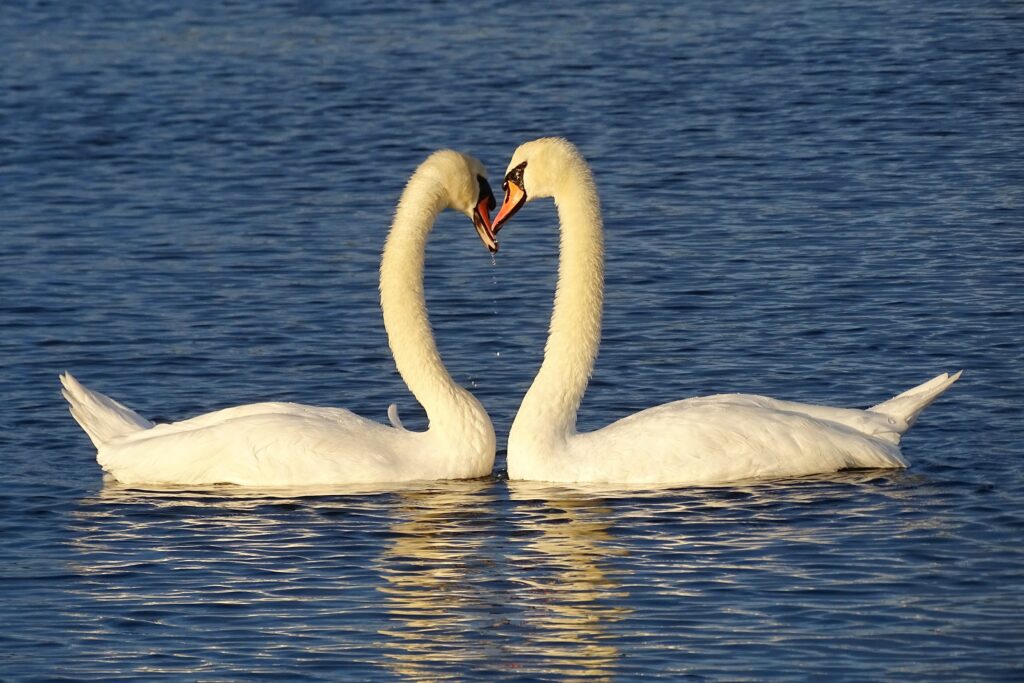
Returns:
(482, 223)
(515, 197)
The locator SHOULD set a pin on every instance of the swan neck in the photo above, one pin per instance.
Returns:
(449, 407)
(549, 408)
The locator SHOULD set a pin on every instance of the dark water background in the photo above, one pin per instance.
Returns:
(820, 203)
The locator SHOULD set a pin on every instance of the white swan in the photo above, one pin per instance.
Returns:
(712, 439)
(285, 444)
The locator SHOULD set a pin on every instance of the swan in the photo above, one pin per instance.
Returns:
(286, 444)
(707, 440)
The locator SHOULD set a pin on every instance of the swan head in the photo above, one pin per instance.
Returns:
(538, 168)
(464, 180)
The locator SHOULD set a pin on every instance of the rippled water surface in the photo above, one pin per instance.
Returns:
(815, 203)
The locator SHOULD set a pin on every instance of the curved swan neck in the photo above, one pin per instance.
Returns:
(448, 406)
(549, 407)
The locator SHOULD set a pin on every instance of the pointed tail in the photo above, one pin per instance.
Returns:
(908, 405)
(100, 416)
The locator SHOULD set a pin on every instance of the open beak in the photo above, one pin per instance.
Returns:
(482, 223)
(515, 197)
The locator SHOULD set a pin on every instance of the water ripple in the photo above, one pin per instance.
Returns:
(817, 203)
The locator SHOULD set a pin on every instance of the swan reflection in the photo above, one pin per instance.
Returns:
(524, 580)
(395, 579)
(436, 575)
(571, 595)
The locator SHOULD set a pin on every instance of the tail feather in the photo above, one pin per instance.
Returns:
(908, 405)
(100, 416)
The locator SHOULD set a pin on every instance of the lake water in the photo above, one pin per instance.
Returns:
(815, 203)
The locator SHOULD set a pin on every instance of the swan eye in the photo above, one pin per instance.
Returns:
(515, 176)
(486, 193)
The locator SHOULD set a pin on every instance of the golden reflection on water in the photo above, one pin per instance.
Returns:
(436, 571)
(452, 577)
(571, 594)
(433, 563)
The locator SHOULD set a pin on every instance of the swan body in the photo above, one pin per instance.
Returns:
(286, 444)
(712, 439)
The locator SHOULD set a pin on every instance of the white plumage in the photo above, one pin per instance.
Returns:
(713, 439)
(285, 444)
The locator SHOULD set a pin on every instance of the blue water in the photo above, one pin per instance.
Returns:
(813, 201)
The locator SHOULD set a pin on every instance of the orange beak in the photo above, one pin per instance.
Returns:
(515, 197)
(482, 223)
